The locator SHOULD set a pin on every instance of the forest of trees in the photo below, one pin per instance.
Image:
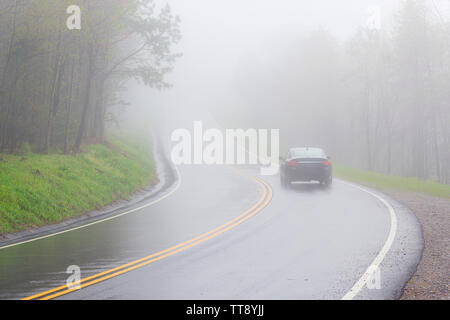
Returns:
(57, 85)
(378, 101)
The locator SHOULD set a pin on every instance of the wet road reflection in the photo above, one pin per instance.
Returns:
(208, 197)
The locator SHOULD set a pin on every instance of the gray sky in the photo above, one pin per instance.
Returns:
(219, 34)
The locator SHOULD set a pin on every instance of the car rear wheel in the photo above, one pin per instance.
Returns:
(285, 183)
(328, 182)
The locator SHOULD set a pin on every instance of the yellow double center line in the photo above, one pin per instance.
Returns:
(114, 272)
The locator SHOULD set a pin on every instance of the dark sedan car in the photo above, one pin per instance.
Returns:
(306, 164)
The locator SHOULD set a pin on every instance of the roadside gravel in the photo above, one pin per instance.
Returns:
(431, 280)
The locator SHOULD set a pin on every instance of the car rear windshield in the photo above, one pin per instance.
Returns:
(307, 153)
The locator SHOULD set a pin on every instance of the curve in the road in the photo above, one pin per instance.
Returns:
(175, 188)
(114, 272)
(379, 258)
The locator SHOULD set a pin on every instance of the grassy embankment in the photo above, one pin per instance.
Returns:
(382, 181)
(40, 189)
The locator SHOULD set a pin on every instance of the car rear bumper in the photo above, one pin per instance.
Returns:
(303, 175)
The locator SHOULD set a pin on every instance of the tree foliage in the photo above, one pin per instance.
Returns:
(56, 84)
(378, 101)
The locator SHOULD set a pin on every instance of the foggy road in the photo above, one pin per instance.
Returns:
(147, 149)
(229, 234)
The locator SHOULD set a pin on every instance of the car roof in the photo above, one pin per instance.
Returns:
(307, 152)
(306, 148)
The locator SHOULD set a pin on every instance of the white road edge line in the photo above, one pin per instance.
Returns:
(379, 258)
(106, 219)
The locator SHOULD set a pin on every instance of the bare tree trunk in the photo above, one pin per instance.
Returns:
(389, 153)
(98, 116)
(58, 67)
(4, 101)
(69, 105)
(87, 94)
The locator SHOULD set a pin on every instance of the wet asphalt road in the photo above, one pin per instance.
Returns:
(306, 243)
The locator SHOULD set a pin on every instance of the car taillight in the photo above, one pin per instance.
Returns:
(292, 163)
(326, 163)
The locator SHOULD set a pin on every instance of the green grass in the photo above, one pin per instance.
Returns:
(383, 181)
(36, 189)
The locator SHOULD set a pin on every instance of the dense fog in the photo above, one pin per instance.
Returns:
(369, 81)
(366, 80)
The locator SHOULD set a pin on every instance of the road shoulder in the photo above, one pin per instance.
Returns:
(166, 178)
(430, 281)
